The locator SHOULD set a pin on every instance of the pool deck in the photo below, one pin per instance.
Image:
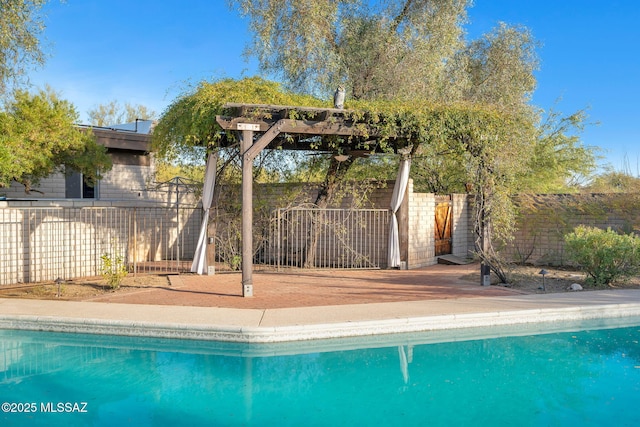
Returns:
(317, 305)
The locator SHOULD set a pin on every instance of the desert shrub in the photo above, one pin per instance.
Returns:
(604, 255)
(113, 269)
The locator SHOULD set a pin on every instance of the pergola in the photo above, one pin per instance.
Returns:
(259, 126)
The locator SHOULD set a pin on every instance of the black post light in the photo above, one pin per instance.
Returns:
(544, 273)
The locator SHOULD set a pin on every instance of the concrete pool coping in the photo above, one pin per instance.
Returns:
(277, 325)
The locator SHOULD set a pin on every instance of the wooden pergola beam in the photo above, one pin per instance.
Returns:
(239, 109)
(298, 126)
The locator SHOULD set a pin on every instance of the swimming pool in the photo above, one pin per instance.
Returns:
(588, 377)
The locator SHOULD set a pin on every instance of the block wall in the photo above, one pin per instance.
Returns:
(461, 226)
(44, 240)
(545, 219)
(127, 182)
(122, 182)
(421, 233)
(375, 195)
(52, 187)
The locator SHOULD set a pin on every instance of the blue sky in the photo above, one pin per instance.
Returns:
(147, 52)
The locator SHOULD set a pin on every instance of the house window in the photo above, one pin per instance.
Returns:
(77, 188)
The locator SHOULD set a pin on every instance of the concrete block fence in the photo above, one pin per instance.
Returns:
(43, 240)
(545, 219)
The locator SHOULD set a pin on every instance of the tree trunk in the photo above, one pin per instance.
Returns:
(484, 247)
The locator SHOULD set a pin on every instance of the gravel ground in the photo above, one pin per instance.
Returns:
(529, 280)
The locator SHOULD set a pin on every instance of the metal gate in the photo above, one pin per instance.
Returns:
(443, 225)
(327, 238)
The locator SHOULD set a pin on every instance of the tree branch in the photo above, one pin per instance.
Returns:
(401, 16)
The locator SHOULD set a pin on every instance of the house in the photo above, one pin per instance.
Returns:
(64, 228)
(128, 145)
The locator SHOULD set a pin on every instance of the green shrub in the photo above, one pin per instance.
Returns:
(605, 256)
(113, 269)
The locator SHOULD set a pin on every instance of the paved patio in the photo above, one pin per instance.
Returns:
(299, 288)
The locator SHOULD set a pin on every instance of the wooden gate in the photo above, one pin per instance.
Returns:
(443, 225)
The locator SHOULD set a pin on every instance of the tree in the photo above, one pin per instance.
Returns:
(37, 131)
(113, 113)
(556, 163)
(384, 50)
(500, 67)
(187, 130)
(20, 30)
(38, 137)
(409, 61)
(612, 181)
(378, 49)
(560, 162)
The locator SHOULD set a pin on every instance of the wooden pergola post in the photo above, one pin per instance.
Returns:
(247, 213)
(249, 152)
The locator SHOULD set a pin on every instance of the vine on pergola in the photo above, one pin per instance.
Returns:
(493, 143)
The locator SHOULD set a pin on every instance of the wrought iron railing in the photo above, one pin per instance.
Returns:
(41, 244)
(309, 237)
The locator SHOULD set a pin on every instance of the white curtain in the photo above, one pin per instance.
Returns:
(404, 364)
(399, 189)
(199, 264)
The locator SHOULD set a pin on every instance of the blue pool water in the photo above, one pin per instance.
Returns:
(591, 377)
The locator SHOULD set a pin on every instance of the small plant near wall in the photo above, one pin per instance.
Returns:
(113, 269)
(606, 256)
(235, 263)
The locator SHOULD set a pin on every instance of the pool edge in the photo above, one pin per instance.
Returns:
(458, 314)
